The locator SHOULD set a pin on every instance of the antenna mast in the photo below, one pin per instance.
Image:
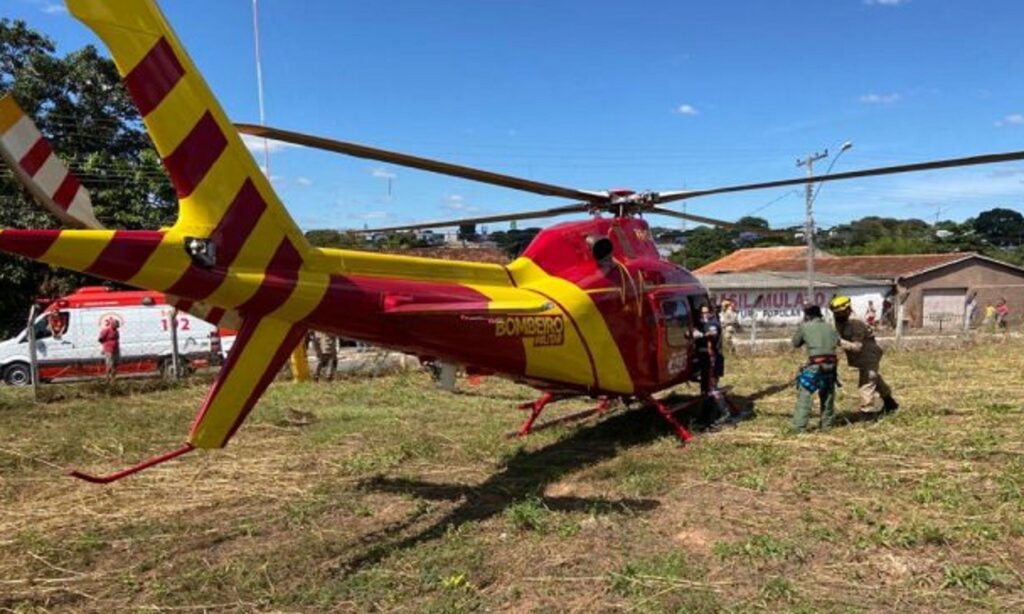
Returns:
(259, 81)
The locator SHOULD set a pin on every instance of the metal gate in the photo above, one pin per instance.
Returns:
(943, 308)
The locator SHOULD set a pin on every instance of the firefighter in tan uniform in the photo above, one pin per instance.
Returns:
(864, 354)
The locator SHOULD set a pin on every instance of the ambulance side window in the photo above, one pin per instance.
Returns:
(42, 329)
(51, 325)
(676, 321)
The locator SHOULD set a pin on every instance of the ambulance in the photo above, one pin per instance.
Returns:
(68, 329)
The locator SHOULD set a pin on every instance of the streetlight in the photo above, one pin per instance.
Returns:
(810, 194)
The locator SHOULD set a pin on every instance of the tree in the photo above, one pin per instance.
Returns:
(752, 222)
(515, 240)
(1000, 227)
(336, 239)
(81, 106)
(704, 245)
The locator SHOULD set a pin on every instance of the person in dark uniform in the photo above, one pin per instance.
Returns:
(819, 373)
(707, 335)
(864, 354)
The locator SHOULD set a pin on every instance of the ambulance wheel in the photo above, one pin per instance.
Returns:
(18, 374)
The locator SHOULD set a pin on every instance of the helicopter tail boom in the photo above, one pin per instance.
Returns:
(221, 190)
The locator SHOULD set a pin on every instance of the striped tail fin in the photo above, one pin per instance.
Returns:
(222, 193)
(41, 171)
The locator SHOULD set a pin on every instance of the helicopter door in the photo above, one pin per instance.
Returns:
(674, 337)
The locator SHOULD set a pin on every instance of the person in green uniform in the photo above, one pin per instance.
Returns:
(864, 354)
(819, 373)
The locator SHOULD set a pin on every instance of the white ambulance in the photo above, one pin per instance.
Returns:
(67, 333)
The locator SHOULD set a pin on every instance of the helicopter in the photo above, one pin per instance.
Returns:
(588, 309)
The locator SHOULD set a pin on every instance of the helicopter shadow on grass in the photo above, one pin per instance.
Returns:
(526, 474)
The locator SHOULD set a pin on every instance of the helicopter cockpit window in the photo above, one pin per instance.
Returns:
(676, 321)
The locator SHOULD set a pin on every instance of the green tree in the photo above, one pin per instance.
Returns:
(81, 106)
(703, 245)
(1000, 227)
(751, 221)
(336, 238)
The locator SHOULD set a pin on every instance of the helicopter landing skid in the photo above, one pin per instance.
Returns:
(666, 412)
(538, 406)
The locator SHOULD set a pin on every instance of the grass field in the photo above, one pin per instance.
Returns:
(400, 497)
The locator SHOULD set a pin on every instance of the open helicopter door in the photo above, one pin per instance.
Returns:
(673, 336)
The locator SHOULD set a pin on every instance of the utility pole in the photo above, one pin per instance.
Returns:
(809, 220)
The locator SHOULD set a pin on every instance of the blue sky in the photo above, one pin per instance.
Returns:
(602, 94)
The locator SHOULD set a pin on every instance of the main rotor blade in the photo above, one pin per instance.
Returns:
(1011, 156)
(425, 164)
(715, 222)
(488, 219)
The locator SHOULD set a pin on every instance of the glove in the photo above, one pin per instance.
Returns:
(698, 335)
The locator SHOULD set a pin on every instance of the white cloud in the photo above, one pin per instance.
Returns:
(456, 203)
(372, 215)
(885, 2)
(382, 173)
(873, 98)
(304, 181)
(686, 109)
(255, 144)
(1013, 119)
(53, 8)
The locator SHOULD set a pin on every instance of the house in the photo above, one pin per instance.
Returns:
(934, 289)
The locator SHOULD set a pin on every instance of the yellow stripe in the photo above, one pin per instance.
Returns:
(567, 362)
(76, 252)
(611, 368)
(308, 293)
(165, 266)
(129, 29)
(10, 113)
(234, 391)
(172, 120)
(206, 205)
(252, 260)
(349, 262)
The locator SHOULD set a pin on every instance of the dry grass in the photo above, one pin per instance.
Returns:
(400, 497)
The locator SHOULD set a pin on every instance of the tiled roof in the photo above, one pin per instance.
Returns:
(752, 258)
(876, 267)
(767, 279)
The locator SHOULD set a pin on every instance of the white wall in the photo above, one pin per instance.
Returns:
(861, 296)
(785, 307)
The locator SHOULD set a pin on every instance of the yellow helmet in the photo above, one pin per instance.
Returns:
(839, 303)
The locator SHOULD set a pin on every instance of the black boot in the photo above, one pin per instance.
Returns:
(889, 405)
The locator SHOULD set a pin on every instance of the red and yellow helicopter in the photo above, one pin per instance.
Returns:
(588, 309)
